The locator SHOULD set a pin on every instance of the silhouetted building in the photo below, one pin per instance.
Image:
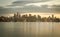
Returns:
(38, 18)
(25, 18)
(52, 18)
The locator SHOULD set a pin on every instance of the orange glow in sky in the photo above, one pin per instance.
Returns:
(44, 14)
(41, 14)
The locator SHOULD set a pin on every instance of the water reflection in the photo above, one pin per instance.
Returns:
(29, 29)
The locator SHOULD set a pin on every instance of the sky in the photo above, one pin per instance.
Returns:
(12, 6)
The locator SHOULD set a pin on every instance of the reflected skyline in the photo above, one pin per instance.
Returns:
(30, 29)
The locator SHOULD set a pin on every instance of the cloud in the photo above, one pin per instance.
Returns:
(24, 2)
(31, 8)
(49, 3)
(21, 3)
(5, 10)
(39, 3)
(34, 0)
(56, 8)
(5, 2)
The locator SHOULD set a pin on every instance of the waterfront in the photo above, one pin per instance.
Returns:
(30, 29)
(29, 18)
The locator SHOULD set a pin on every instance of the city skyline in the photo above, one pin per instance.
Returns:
(44, 8)
(29, 18)
(41, 14)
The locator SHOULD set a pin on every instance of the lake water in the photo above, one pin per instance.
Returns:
(29, 29)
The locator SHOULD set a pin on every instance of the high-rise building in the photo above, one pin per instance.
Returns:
(52, 16)
(30, 15)
(17, 15)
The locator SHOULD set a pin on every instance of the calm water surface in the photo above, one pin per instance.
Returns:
(29, 29)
